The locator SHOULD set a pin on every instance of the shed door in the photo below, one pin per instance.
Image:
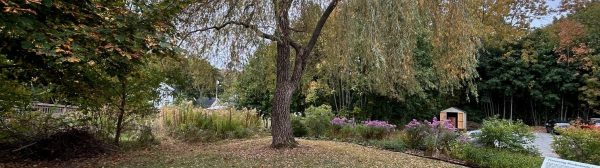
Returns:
(461, 121)
(442, 116)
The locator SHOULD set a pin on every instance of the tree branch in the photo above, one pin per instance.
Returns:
(302, 55)
(317, 31)
(245, 25)
(298, 30)
(296, 46)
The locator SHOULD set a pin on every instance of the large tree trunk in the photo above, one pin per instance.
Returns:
(533, 116)
(286, 84)
(504, 107)
(511, 107)
(562, 103)
(281, 128)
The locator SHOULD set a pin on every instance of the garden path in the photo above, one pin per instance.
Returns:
(543, 142)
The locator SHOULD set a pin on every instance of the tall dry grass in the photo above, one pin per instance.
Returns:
(190, 123)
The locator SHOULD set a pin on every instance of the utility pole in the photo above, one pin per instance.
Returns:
(217, 90)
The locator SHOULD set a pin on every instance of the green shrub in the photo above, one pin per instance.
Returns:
(500, 133)
(578, 144)
(145, 136)
(32, 125)
(494, 157)
(348, 132)
(298, 127)
(196, 124)
(368, 133)
(318, 120)
(394, 143)
(22, 126)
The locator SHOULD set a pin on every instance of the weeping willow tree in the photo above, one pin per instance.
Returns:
(402, 48)
(374, 38)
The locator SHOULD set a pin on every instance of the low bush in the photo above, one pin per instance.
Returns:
(393, 143)
(29, 126)
(511, 135)
(318, 120)
(494, 157)
(144, 136)
(47, 135)
(196, 124)
(348, 132)
(578, 144)
(375, 129)
(342, 128)
(298, 127)
(433, 137)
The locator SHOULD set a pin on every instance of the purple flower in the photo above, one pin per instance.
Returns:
(339, 121)
(463, 139)
(427, 122)
(434, 122)
(413, 123)
(379, 124)
(448, 125)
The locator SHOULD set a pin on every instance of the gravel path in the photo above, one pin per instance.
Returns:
(543, 141)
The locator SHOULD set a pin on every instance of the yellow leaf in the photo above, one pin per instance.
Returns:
(73, 59)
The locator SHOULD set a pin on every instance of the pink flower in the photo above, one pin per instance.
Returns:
(339, 121)
(379, 124)
(412, 124)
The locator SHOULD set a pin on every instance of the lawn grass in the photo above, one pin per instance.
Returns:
(256, 153)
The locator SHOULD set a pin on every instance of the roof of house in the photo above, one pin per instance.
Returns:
(209, 102)
(454, 110)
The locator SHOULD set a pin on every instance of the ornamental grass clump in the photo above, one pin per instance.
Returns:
(195, 124)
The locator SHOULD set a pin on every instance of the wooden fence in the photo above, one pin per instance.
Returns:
(55, 109)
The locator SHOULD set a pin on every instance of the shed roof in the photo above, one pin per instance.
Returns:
(453, 110)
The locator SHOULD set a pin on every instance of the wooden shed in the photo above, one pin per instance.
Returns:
(457, 117)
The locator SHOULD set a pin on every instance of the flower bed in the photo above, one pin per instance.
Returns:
(433, 137)
(577, 144)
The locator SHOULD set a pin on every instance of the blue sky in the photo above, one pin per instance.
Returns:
(543, 21)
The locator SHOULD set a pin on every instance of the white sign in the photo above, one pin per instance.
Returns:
(550, 162)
